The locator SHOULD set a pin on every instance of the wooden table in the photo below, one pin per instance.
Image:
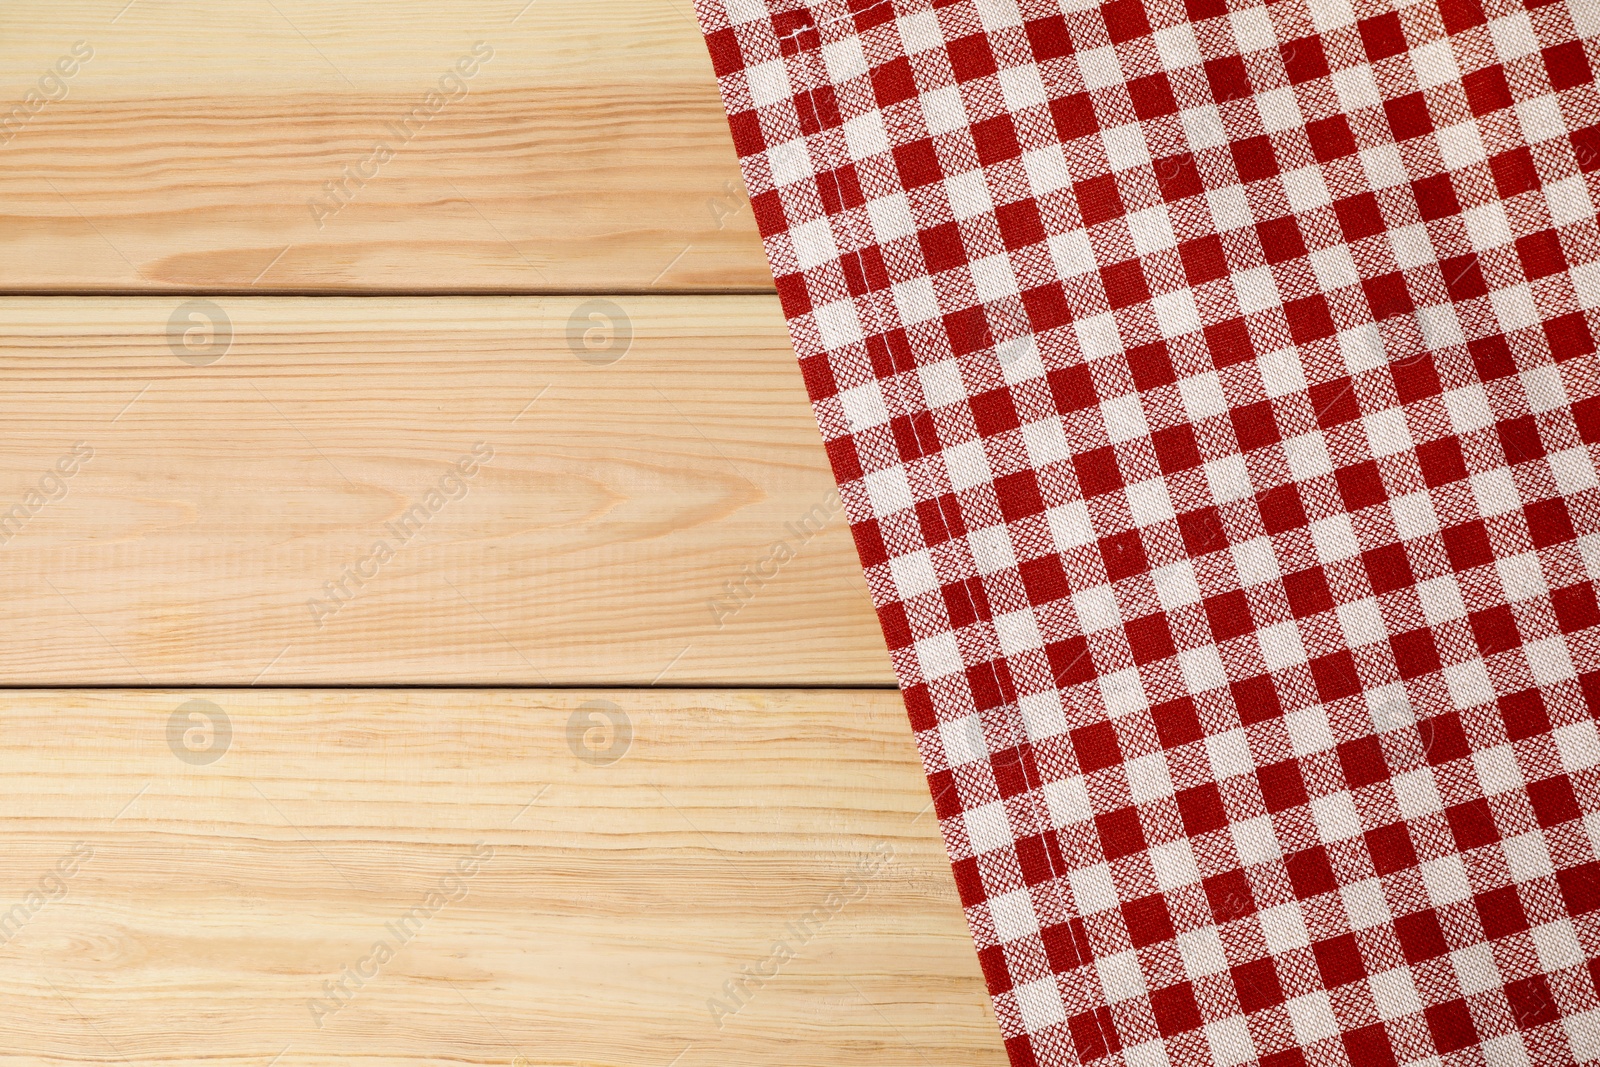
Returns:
(431, 632)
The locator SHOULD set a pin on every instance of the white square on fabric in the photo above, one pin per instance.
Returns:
(1124, 418)
(1014, 916)
(769, 83)
(1202, 952)
(1022, 88)
(1513, 36)
(1308, 730)
(1446, 879)
(1434, 63)
(1330, 14)
(1176, 312)
(1097, 609)
(1416, 793)
(968, 465)
(1495, 491)
(1497, 770)
(1229, 753)
(1528, 856)
(1098, 336)
(938, 656)
(888, 490)
(1174, 865)
(1279, 110)
(1362, 347)
(1177, 46)
(838, 323)
(1255, 561)
(987, 827)
(1125, 146)
(916, 301)
(1461, 146)
(1521, 576)
(1040, 1003)
(1487, 226)
(1068, 800)
(963, 740)
(1468, 409)
(1149, 1054)
(1569, 201)
(1336, 816)
(1176, 585)
(1070, 526)
(1229, 479)
(1362, 622)
(1151, 230)
(1256, 290)
(866, 137)
(891, 218)
(1549, 661)
(1284, 928)
(863, 406)
(1148, 778)
(1047, 170)
(1365, 904)
(1149, 502)
(1335, 538)
(1583, 1034)
(1230, 1042)
(1578, 745)
(844, 58)
(1252, 28)
(1573, 470)
(1093, 888)
(1441, 599)
(1514, 306)
(1356, 87)
(1202, 396)
(1306, 189)
(1281, 373)
(920, 32)
(1100, 68)
(1557, 944)
(1388, 432)
(1395, 993)
(1543, 388)
(1334, 267)
(1468, 683)
(1255, 840)
(1202, 668)
(1476, 971)
(1308, 456)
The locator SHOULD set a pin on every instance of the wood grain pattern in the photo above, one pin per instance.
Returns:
(598, 546)
(207, 904)
(589, 151)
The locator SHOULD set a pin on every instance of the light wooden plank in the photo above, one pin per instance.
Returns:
(588, 149)
(190, 912)
(598, 546)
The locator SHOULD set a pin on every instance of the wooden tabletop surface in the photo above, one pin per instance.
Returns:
(431, 630)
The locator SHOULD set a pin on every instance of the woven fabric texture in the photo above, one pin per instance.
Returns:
(1212, 390)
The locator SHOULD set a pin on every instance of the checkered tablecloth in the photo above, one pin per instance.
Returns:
(1212, 389)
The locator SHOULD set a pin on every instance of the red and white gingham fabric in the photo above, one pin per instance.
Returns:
(1212, 388)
